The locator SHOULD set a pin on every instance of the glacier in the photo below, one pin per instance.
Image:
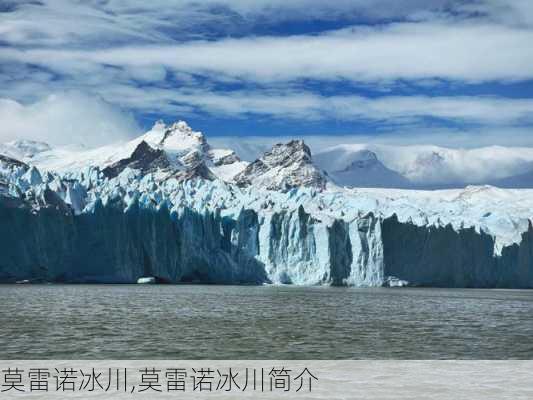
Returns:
(177, 220)
(201, 232)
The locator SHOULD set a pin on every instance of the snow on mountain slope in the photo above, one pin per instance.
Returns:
(416, 167)
(284, 167)
(365, 170)
(183, 148)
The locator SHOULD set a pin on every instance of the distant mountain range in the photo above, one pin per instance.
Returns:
(427, 167)
(350, 165)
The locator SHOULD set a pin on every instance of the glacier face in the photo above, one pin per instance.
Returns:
(157, 214)
(202, 235)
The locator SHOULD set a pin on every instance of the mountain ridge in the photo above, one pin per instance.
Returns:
(408, 167)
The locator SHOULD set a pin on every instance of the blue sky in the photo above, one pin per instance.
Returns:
(458, 73)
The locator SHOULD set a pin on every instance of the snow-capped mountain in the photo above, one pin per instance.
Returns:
(431, 167)
(366, 170)
(173, 149)
(168, 205)
(414, 167)
(284, 167)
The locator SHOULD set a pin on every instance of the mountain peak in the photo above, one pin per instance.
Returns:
(366, 170)
(159, 125)
(291, 151)
(285, 166)
(179, 137)
(181, 126)
(363, 159)
(179, 151)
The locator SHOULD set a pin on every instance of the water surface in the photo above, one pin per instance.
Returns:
(262, 322)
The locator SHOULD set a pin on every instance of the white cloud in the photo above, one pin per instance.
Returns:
(65, 118)
(411, 51)
(510, 12)
(99, 23)
(75, 118)
(110, 49)
(308, 106)
(486, 110)
(99, 122)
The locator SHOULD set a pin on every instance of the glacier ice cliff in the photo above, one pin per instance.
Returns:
(441, 256)
(118, 242)
(115, 246)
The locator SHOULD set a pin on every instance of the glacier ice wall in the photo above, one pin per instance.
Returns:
(109, 245)
(114, 243)
(442, 256)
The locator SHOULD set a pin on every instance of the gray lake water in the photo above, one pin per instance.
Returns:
(262, 322)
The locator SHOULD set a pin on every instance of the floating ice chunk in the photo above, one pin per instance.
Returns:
(392, 281)
(146, 280)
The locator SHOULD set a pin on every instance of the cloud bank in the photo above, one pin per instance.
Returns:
(394, 64)
(422, 50)
(59, 118)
